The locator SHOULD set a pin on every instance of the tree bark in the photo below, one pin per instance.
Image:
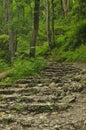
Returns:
(66, 4)
(35, 30)
(6, 15)
(48, 24)
(8, 29)
(53, 40)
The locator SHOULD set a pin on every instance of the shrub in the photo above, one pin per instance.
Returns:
(42, 50)
(4, 41)
(4, 48)
(22, 67)
(76, 36)
(3, 66)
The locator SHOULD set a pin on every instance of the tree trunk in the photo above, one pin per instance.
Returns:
(35, 30)
(64, 7)
(48, 23)
(6, 15)
(53, 40)
(66, 4)
(8, 29)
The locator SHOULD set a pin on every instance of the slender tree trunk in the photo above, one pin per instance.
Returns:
(64, 7)
(10, 31)
(6, 15)
(31, 12)
(6, 10)
(48, 24)
(35, 30)
(66, 4)
(53, 40)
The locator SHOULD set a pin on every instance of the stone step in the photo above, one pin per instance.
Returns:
(33, 90)
(5, 86)
(38, 107)
(19, 98)
(8, 98)
(50, 75)
(4, 105)
(24, 81)
(64, 70)
(34, 98)
(6, 91)
(62, 67)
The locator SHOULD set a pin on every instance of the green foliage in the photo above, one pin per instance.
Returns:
(4, 55)
(23, 43)
(79, 54)
(71, 46)
(76, 36)
(3, 41)
(82, 7)
(4, 52)
(60, 41)
(42, 50)
(3, 66)
(23, 67)
(17, 108)
(75, 9)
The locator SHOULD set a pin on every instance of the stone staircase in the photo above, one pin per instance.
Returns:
(46, 101)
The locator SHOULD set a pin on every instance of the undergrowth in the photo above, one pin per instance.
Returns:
(3, 66)
(22, 68)
(71, 45)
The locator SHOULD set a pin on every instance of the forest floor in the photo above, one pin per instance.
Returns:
(55, 99)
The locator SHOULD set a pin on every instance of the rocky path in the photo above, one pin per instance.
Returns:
(53, 100)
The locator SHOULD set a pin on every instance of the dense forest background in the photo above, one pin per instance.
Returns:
(34, 31)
